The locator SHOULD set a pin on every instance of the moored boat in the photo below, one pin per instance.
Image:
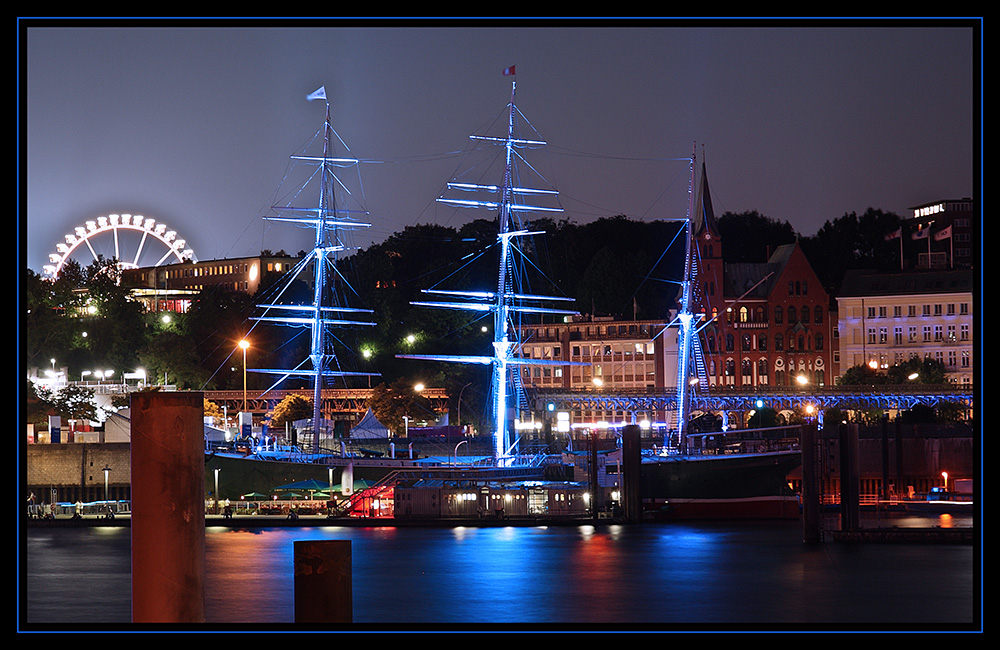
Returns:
(724, 486)
(941, 500)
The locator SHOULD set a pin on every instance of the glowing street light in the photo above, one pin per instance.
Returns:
(244, 344)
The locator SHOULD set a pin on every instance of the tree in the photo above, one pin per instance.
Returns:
(861, 376)
(293, 407)
(918, 370)
(75, 403)
(392, 402)
(748, 236)
(853, 242)
(763, 418)
(212, 410)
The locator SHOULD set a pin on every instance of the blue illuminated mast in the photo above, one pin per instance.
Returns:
(685, 321)
(690, 360)
(508, 302)
(328, 309)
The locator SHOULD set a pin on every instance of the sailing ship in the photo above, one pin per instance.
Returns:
(514, 203)
(676, 484)
(330, 222)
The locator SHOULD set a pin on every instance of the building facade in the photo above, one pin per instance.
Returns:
(762, 324)
(609, 355)
(888, 318)
(172, 287)
(939, 235)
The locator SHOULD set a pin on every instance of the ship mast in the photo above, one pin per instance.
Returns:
(685, 319)
(507, 303)
(322, 312)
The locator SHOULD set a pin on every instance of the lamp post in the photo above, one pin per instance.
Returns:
(244, 344)
(459, 418)
(106, 470)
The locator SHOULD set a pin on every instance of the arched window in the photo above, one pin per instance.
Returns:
(778, 314)
(818, 317)
(805, 314)
(792, 315)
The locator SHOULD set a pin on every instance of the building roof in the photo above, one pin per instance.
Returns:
(859, 283)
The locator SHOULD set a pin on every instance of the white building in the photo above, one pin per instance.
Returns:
(887, 318)
(618, 357)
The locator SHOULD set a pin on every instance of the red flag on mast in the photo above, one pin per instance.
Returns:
(508, 71)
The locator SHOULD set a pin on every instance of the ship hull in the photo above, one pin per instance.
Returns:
(750, 486)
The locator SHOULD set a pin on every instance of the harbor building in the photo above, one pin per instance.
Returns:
(939, 235)
(173, 287)
(888, 318)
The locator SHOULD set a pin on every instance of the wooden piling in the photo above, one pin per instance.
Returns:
(168, 507)
(323, 582)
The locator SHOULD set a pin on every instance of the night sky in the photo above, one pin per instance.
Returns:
(194, 126)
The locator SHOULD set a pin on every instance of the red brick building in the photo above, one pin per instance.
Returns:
(765, 324)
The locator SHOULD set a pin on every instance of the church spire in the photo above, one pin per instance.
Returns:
(704, 215)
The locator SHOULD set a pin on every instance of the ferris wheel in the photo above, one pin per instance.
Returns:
(132, 239)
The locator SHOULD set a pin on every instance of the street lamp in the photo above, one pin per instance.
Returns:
(244, 344)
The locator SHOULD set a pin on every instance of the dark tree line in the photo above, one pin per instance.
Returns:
(612, 266)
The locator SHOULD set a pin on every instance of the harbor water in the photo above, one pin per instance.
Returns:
(672, 576)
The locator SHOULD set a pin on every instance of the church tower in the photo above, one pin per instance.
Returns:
(708, 293)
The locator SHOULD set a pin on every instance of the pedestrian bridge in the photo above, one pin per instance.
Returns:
(739, 399)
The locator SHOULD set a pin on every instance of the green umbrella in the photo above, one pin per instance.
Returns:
(307, 485)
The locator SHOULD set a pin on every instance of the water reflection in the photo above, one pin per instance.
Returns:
(704, 574)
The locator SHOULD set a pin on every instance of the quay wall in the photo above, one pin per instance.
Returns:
(71, 471)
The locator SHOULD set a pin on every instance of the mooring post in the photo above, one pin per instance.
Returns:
(631, 471)
(850, 501)
(810, 484)
(168, 507)
(323, 582)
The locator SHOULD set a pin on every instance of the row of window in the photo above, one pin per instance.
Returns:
(802, 342)
(935, 333)
(634, 330)
(594, 350)
(758, 314)
(937, 309)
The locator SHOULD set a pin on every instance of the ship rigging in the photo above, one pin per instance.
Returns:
(509, 302)
(330, 222)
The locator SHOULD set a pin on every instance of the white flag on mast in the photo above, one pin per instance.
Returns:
(319, 93)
